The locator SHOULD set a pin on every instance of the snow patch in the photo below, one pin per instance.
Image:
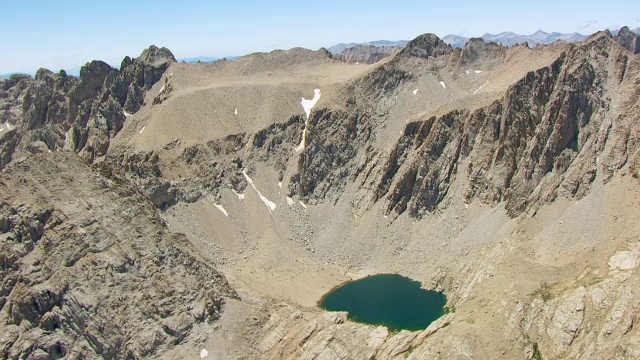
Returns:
(480, 88)
(443, 84)
(161, 89)
(221, 208)
(467, 72)
(415, 91)
(126, 114)
(235, 112)
(477, 71)
(170, 75)
(203, 353)
(142, 130)
(270, 204)
(303, 204)
(280, 184)
(240, 196)
(307, 105)
(290, 201)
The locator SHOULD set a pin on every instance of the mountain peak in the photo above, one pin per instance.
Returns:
(629, 40)
(426, 46)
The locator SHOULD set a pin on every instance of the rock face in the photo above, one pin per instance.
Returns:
(79, 114)
(90, 270)
(561, 110)
(629, 40)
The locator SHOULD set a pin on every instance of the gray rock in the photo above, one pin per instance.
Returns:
(567, 320)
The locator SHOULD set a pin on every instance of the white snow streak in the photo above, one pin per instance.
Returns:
(221, 208)
(415, 91)
(290, 201)
(161, 89)
(480, 88)
(203, 353)
(240, 196)
(126, 114)
(303, 204)
(467, 72)
(443, 85)
(307, 105)
(270, 204)
(142, 130)
(235, 112)
(477, 71)
(280, 184)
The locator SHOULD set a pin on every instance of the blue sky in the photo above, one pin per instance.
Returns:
(66, 34)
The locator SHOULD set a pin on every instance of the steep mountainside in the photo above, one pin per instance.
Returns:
(506, 177)
(90, 270)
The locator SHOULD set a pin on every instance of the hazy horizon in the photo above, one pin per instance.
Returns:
(68, 34)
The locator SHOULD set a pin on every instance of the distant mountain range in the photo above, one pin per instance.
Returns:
(537, 38)
(336, 49)
(207, 59)
(505, 38)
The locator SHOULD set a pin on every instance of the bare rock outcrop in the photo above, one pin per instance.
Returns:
(90, 269)
(478, 54)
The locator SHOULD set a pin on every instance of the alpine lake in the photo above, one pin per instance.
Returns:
(390, 300)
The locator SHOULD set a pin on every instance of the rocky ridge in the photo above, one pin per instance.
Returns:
(415, 174)
(368, 54)
(56, 111)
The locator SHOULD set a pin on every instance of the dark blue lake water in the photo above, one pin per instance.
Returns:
(390, 300)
